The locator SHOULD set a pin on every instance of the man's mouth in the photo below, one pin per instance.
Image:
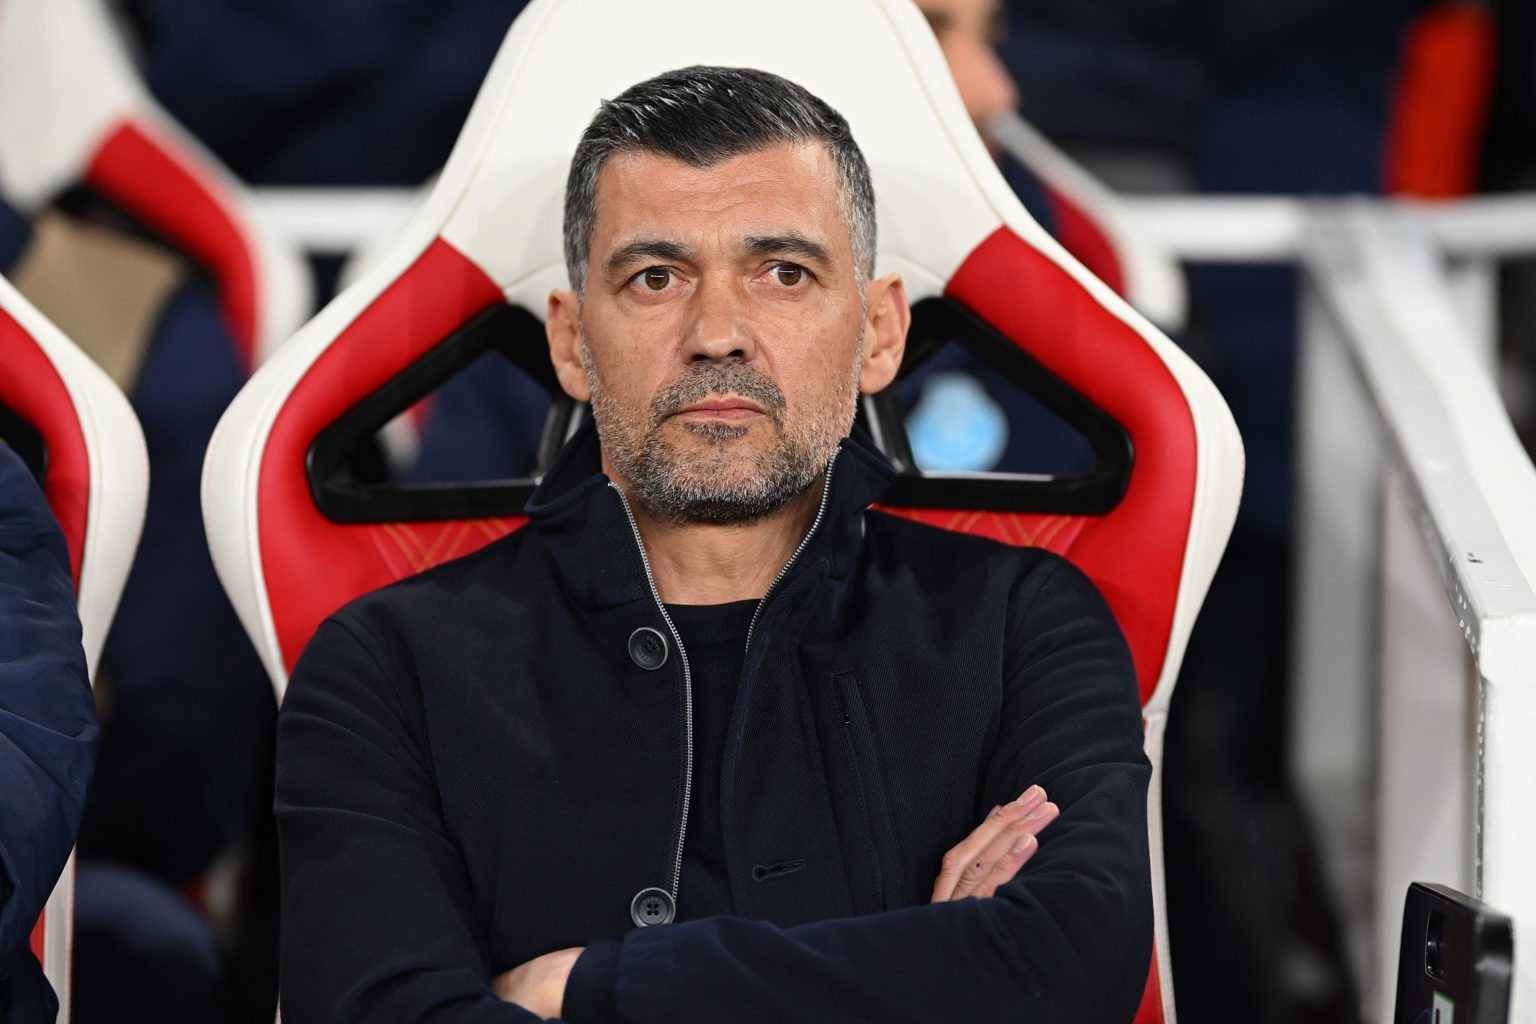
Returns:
(729, 409)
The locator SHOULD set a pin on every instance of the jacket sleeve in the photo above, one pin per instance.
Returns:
(1069, 939)
(377, 910)
(48, 733)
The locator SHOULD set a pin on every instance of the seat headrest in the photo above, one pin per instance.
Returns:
(73, 111)
(938, 191)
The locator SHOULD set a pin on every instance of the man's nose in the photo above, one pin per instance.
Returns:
(719, 328)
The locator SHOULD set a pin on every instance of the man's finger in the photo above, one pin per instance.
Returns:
(1011, 850)
(962, 857)
(1006, 843)
(1006, 868)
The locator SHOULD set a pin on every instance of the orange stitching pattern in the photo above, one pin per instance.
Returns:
(1010, 529)
(1031, 538)
(1061, 522)
(401, 540)
(443, 541)
(409, 546)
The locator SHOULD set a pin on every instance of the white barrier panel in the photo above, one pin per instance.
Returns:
(1461, 482)
(1335, 570)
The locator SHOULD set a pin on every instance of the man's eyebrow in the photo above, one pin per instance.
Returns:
(646, 249)
(797, 246)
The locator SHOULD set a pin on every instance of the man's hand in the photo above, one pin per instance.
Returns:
(992, 854)
(538, 986)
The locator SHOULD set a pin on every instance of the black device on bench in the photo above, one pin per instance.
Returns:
(1455, 962)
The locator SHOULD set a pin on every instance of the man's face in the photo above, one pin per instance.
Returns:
(968, 31)
(721, 335)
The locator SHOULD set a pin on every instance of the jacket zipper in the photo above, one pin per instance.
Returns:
(650, 579)
(821, 510)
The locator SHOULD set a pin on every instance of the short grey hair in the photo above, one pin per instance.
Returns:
(703, 116)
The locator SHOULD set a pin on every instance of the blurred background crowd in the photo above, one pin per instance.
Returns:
(1427, 98)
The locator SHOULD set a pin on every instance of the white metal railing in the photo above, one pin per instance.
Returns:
(335, 221)
(1269, 229)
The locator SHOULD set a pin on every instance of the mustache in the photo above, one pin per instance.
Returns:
(702, 380)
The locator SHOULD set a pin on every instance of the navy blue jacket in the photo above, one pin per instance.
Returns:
(48, 730)
(474, 769)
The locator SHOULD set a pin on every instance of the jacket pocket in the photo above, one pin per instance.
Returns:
(874, 850)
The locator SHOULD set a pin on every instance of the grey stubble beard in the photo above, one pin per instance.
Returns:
(709, 487)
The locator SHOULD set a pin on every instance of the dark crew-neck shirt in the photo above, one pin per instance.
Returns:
(715, 639)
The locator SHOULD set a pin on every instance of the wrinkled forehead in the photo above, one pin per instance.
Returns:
(807, 164)
(777, 189)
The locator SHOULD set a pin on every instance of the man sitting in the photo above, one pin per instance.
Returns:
(694, 743)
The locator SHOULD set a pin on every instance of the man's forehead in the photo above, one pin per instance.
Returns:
(779, 189)
(788, 165)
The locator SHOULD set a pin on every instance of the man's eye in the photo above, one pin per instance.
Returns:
(656, 278)
(788, 274)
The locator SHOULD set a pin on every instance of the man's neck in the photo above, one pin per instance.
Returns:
(704, 563)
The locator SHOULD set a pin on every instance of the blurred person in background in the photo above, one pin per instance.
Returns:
(48, 733)
(968, 32)
(186, 710)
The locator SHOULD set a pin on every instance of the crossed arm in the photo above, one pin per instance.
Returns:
(381, 920)
(974, 867)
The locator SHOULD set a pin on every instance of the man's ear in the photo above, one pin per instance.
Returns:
(887, 318)
(562, 326)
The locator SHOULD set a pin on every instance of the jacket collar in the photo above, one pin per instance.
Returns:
(583, 522)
